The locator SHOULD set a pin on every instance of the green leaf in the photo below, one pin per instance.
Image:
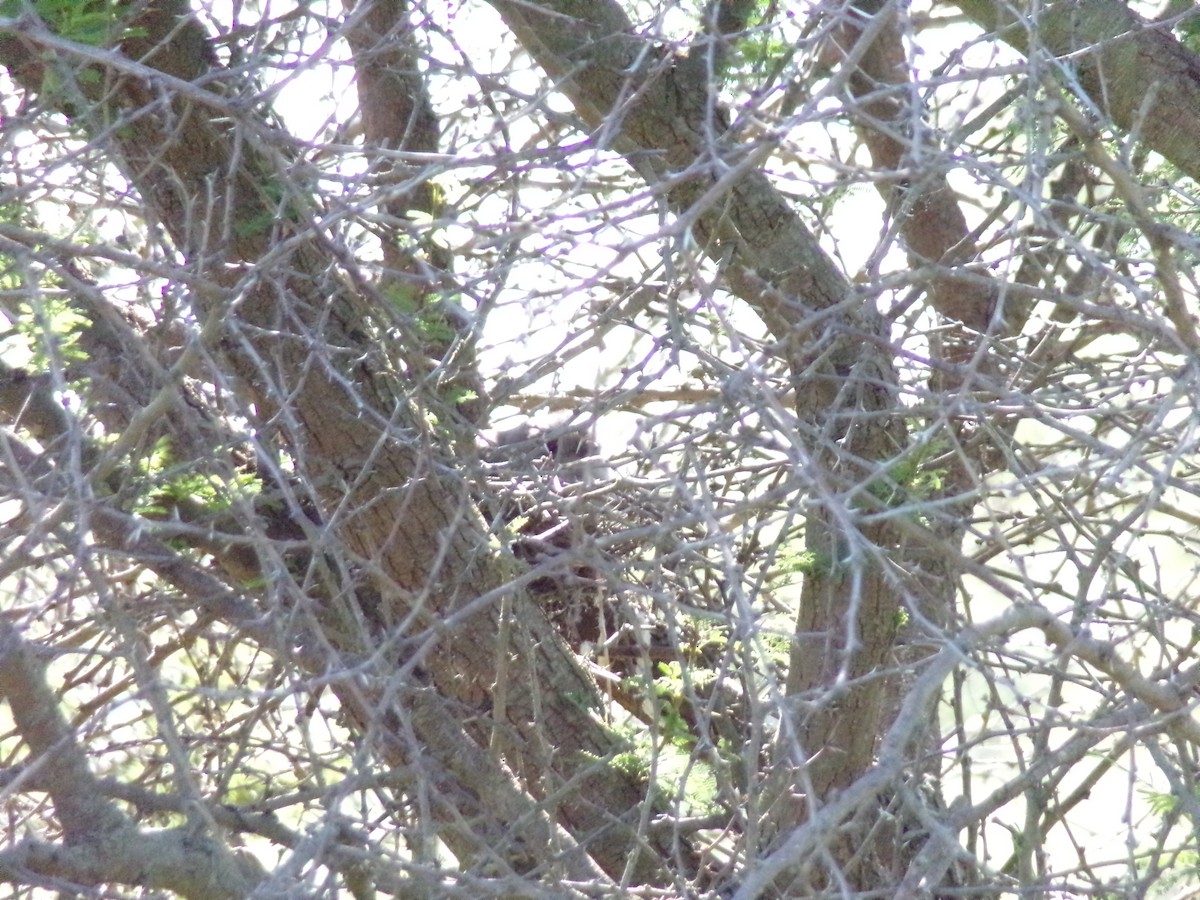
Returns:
(52, 328)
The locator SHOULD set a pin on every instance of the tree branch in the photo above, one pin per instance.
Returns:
(1133, 71)
(387, 481)
(100, 843)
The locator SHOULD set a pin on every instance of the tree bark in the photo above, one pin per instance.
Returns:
(1135, 72)
(660, 113)
(385, 480)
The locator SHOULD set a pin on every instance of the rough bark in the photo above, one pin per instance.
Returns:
(386, 482)
(1135, 72)
(660, 113)
(300, 340)
(927, 211)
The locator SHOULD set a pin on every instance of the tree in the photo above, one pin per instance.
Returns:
(583, 449)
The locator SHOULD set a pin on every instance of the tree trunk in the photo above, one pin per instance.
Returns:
(386, 482)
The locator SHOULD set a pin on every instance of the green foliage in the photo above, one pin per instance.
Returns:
(1161, 803)
(1190, 30)
(51, 328)
(1186, 868)
(760, 48)
(186, 488)
(792, 565)
(802, 562)
(96, 23)
(664, 754)
(276, 208)
(669, 692)
(911, 478)
(1168, 194)
(430, 322)
(632, 764)
(48, 327)
(457, 393)
(1188, 27)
